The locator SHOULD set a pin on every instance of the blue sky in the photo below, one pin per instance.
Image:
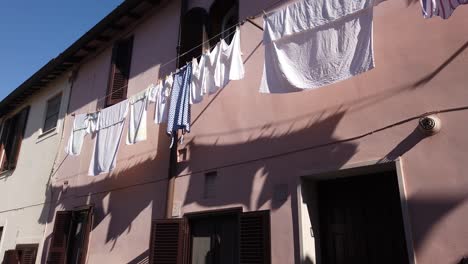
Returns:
(36, 31)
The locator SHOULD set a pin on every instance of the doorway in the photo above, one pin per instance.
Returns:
(360, 220)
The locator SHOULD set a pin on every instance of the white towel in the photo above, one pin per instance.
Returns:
(159, 94)
(196, 93)
(137, 122)
(229, 65)
(312, 43)
(211, 58)
(78, 132)
(107, 142)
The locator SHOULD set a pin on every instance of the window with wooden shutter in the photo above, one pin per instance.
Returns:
(12, 135)
(52, 113)
(10, 257)
(254, 237)
(120, 71)
(27, 253)
(168, 241)
(60, 236)
(70, 237)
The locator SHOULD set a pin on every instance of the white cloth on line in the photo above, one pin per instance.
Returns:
(211, 58)
(78, 132)
(196, 94)
(138, 105)
(313, 43)
(107, 142)
(229, 65)
(159, 95)
(442, 8)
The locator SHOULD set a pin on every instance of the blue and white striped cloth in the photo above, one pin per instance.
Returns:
(442, 8)
(179, 108)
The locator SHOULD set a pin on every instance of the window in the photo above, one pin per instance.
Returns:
(120, 71)
(23, 254)
(200, 24)
(12, 135)
(52, 113)
(214, 238)
(70, 237)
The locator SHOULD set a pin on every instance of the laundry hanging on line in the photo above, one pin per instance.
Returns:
(106, 144)
(441, 8)
(78, 132)
(159, 94)
(216, 68)
(229, 64)
(313, 43)
(108, 123)
(138, 105)
(179, 108)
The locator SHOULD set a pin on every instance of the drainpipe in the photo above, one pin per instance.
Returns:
(71, 81)
(171, 177)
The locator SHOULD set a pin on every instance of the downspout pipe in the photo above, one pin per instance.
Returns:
(172, 171)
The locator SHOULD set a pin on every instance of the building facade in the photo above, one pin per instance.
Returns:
(31, 133)
(340, 174)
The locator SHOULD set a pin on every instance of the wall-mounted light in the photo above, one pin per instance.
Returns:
(430, 125)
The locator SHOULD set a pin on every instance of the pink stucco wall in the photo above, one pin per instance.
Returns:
(245, 137)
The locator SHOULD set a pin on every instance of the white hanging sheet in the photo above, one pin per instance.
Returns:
(229, 65)
(313, 43)
(106, 145)
(138, 104)
(78, 132)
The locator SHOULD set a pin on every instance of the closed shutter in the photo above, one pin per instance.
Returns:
(27, 253)
(254, 245)
(120, 71)
(58, 246)
(10, 257)
(167, 243)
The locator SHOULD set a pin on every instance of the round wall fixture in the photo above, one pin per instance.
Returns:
(430, 125)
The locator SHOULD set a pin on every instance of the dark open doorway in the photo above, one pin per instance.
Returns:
(361, 221)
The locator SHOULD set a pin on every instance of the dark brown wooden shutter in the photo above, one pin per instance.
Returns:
(19, 135)
(254, 238)
(27, 253)
(120, 71)
(12, 137)
(59, 242)
(10, 257)
(168, 240)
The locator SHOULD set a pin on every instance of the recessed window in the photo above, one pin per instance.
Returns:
(201, 23)
(120, 71)
(212, 238)
(52, 113)
(12, 135)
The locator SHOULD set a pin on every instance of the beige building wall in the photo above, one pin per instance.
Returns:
(24, 192)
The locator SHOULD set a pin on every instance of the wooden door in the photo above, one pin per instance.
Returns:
(361, 220)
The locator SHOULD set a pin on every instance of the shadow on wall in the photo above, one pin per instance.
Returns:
(118, 199)
(319, 132)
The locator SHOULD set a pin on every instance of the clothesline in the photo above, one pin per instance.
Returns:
(249, 19)
(177, 57)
